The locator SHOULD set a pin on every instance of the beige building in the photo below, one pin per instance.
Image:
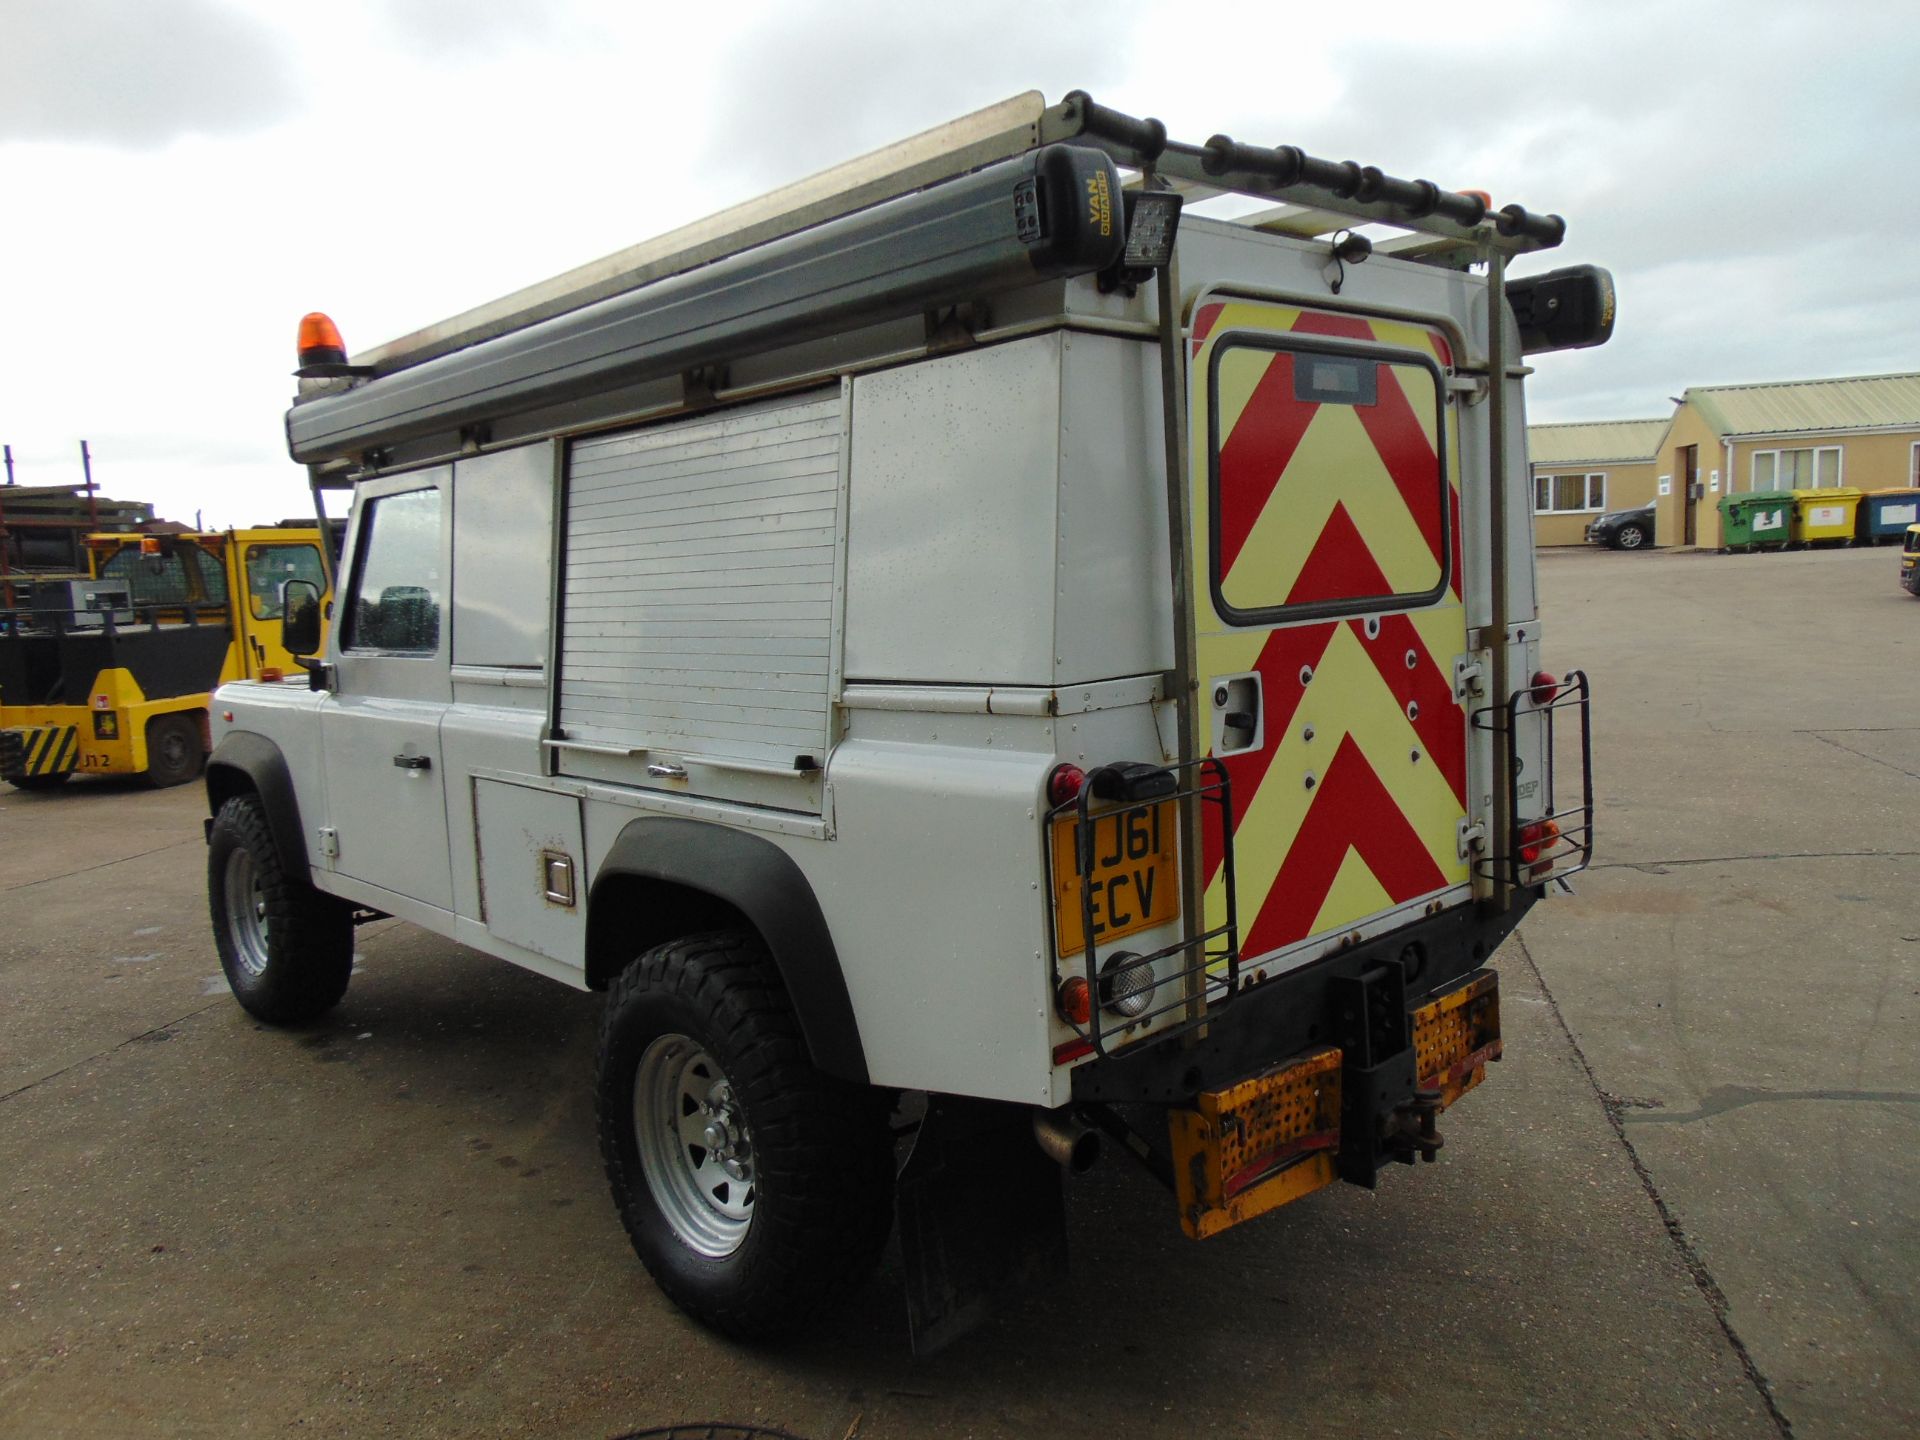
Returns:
(1862, 432)
(1583, 470)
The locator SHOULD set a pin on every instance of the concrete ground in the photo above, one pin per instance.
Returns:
(1683, 1206)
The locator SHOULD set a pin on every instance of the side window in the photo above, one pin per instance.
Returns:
(271, 566)
(397, 585)
(502, 559)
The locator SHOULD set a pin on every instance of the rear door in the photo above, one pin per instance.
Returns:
(1326, 512)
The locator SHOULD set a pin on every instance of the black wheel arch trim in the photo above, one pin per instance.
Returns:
(245, 754)
(761, 881)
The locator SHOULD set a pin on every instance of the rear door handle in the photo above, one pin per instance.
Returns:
(413, 762)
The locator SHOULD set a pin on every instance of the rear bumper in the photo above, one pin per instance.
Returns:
(38, 751)
(1283, 1134)
(1279, 1018)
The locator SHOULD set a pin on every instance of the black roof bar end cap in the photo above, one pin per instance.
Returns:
(1146, 138)
(1547, 229)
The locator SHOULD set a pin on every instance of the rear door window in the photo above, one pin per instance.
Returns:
(1330, 479)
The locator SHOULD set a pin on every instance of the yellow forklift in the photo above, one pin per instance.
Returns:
(110, 675)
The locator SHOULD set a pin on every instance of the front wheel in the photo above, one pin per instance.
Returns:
(754, 1188)
(1631, 537)
(286, 948)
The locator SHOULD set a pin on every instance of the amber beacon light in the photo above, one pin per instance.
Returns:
(322, 352)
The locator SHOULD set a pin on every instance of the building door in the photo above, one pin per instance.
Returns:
(1327, 559)
(1689, 469)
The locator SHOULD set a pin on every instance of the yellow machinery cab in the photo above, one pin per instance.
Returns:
(113, 677)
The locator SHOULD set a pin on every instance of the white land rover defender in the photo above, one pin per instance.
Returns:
(961, 640)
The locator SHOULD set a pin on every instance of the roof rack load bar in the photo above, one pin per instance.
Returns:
(1286, 172)
(1044, 213)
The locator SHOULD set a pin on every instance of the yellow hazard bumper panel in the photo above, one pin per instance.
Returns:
(1455, 1037)
(39, 750)
(1263, 1142)
(1254, 1146)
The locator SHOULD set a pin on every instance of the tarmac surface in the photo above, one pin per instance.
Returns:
(1684, 1205)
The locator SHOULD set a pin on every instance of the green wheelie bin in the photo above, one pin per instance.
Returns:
(1755, 520)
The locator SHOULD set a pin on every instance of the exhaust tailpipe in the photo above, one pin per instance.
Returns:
(1065, 1140)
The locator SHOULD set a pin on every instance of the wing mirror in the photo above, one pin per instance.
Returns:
(300, 618)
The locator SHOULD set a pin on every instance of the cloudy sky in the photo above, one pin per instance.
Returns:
(180, 180)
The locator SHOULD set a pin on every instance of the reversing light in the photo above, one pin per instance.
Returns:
(1546, 689)
(1126, 984)
(1065, 784)
(1075, 1000)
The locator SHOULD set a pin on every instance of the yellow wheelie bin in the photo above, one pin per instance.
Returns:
(1824, 515)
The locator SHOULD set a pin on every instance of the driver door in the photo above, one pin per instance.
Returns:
(380, 726)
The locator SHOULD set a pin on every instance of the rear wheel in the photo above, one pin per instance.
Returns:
(286, 948)
(754, 1188)
(174, 753)
(1631, 537)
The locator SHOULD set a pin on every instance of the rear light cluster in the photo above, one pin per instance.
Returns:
(1126, 982)
(1537, 839)
(1065, 784)
(1544, 688)
(1075, 1000)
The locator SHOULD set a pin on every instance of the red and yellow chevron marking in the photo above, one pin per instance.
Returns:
(1350, 807)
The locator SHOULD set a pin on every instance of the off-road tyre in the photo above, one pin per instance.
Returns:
(821, 1202)
(174, 751)
(42, 782)
(1631, 537)
(291, 963)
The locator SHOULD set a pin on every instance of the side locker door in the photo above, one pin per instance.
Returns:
(380, 728)
(1326, 512)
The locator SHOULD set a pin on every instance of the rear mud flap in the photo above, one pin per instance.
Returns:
(982, 1213)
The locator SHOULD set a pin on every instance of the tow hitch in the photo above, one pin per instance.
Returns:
(1411, 1128)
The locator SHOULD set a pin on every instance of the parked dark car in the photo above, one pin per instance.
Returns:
(1623, 529)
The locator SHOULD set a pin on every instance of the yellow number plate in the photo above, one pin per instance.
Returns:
(1135, 886)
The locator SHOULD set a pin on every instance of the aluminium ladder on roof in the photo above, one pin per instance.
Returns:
(1317, 198)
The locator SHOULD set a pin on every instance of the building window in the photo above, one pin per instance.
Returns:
(1569, 494)
(1814, 468)
(1913, 471)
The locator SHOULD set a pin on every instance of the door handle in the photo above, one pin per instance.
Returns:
(662, 771)
(412, 762)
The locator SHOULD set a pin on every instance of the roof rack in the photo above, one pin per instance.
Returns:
(1319, 195)
(1315, 197)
